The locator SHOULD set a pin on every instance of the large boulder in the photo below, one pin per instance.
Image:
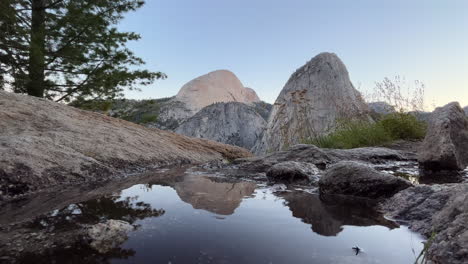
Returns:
(315, 97)
(214, 87)
(43, 143)
(230, 123)
(466, 110)
(440, 212)
(445, 146)
(291, 171)
(357, 179)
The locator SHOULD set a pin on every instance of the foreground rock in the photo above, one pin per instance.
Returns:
(321, 158)
(315, 96)
(437, 211)
(357, 179)
(108, 235)
(291, 171)
(214, 87)
(445, 146)
(44, 143)
(230, 123)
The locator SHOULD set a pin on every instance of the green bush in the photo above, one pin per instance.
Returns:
(354, 134)
(403, 126)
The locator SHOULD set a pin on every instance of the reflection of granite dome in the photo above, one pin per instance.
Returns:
(214, 87)
(213, 196)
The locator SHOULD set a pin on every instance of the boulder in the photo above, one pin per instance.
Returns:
(357, 179)
(230, 123)
(315, 97)
(108, 235)
(440, 212)
(466, 110)
(382, 108)
(291, 171)
(445, 146)
(43, 143)
(214, 87)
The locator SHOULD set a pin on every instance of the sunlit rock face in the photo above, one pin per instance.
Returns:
(315, 97)
(214, 87)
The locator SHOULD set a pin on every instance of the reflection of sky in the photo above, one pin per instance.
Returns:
(264, 41)
(262, 229)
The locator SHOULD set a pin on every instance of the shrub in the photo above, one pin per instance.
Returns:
(354, 134)
(403, 126)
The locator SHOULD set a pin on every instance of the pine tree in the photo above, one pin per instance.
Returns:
(67, 49)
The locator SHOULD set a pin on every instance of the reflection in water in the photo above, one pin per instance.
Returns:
(328, 214)
(213, 195)
(256, 226)
(128, 209)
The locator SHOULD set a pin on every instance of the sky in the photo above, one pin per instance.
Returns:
(264, 41)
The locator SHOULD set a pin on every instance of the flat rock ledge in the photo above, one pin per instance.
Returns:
(43, 143)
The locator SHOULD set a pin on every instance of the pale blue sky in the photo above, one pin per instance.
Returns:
(264, 41)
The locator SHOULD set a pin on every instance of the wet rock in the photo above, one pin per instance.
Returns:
(440, 211)
(321, 157)
(315, 96)
(291, 171)
(445, 146)
(357, 179)
(108, 235)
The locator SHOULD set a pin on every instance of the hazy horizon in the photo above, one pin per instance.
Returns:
(264, 42)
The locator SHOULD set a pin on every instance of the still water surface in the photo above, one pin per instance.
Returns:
(199, 219)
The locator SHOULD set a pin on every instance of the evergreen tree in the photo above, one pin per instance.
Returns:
(67, 49)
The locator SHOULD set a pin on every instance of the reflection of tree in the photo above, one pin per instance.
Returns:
(77, 253)
(68, 222)
(94, 211)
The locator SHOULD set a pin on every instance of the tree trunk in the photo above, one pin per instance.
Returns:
(36, 84)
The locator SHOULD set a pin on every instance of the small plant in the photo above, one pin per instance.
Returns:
(403, 126)
(421, 259)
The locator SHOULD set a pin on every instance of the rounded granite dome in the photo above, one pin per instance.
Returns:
(214, 87)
